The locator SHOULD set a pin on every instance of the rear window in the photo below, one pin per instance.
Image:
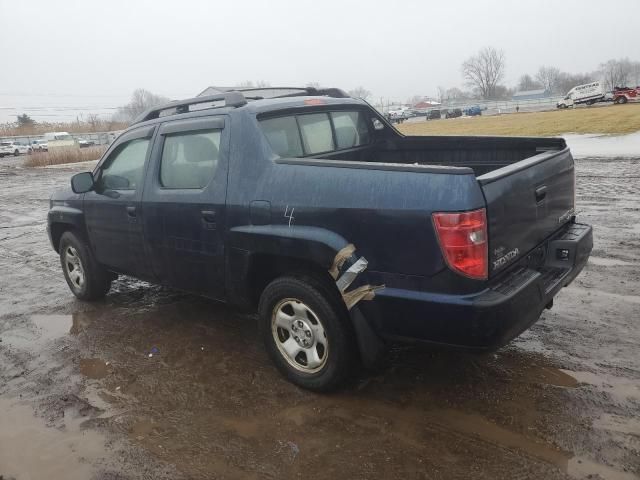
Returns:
(315, 133)
(283, 136)
(351, 129)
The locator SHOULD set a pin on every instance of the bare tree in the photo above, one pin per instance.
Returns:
(141, 100)
(635, 73)
(484, 70)
(548, 78)
(455, 93)
(526, 82)
(359, 92)
(441, 93)
(616, 73)
(252, 84)
(415, 99)
(94, 121)
(566, 81)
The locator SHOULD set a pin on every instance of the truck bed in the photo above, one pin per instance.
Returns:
(482, 154)
(527, 183)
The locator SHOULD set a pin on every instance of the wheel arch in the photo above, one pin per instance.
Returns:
(64, 219)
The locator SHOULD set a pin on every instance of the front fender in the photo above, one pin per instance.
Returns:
(61, 218)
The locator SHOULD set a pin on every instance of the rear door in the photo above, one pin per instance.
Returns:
(526, 202)
(184, 204)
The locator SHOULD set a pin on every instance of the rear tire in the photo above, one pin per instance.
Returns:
(16, 153)
(307, 332)
(87, 279)
(621, 100)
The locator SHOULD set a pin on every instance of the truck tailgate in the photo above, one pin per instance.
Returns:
(526, 202)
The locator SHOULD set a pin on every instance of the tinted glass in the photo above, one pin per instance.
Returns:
(316, 133)
(283, 136)
(123, 169)
(351, 129)
(189, 159)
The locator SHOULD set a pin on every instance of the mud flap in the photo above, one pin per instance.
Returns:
(371, 346)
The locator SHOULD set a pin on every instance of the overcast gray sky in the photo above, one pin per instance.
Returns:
(394, 48)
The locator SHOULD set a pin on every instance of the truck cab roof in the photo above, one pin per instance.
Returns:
(242, 100)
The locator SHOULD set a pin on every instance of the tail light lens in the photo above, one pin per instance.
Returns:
(463, 240)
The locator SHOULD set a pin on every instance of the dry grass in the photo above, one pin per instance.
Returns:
(614, 119)
(12, 129)
(58, 156)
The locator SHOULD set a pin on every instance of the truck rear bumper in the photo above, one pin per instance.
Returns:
(488, 319)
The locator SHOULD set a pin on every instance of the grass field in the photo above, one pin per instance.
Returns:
(59, 156)
(614, 119)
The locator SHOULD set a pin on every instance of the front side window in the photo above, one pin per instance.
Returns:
(316, 133)
(124, 167)
(189, 159)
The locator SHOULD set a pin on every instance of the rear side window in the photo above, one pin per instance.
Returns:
(189, 159)
(351, 129)
(283, 136)
(316, 133)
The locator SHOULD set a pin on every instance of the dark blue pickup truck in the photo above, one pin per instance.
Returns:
(344, 234)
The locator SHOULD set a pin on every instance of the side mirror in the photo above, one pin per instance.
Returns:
(82, 182)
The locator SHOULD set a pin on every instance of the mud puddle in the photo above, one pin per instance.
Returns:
(28, 449)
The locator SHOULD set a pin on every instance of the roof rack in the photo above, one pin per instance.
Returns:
(260, 93)
(237, 98)
(231, 99)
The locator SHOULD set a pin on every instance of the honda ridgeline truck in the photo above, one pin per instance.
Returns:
(342, 233)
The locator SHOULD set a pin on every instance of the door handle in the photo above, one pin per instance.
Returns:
(209, 216)
(541, 193)
(131, 212)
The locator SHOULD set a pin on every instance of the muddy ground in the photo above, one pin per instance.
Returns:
(80, 397)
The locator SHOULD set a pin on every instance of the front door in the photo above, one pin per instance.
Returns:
(112, 209)
(184, 204)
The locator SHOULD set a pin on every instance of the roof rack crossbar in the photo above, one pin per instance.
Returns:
(236, 98)
(231, 99)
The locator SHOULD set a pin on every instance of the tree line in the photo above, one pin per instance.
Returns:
(483, 72)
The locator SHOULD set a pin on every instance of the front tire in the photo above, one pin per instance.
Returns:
(87, 280)
(306, 331)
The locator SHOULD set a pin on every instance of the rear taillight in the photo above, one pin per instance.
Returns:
(463, 240)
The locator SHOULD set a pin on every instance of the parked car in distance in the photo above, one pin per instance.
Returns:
(626, 94)
(453, 113)
(39, 146)
(83, 143)
(342, 233)
(14, 148)
(434, 115)
(473, 111)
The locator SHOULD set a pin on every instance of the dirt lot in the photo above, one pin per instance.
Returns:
(600, 118)
(563, 401)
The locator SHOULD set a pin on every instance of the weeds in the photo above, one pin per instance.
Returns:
(59, 156)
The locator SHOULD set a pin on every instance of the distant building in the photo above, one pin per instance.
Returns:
(531, 94)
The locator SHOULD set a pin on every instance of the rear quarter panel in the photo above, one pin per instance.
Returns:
(313, 211)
